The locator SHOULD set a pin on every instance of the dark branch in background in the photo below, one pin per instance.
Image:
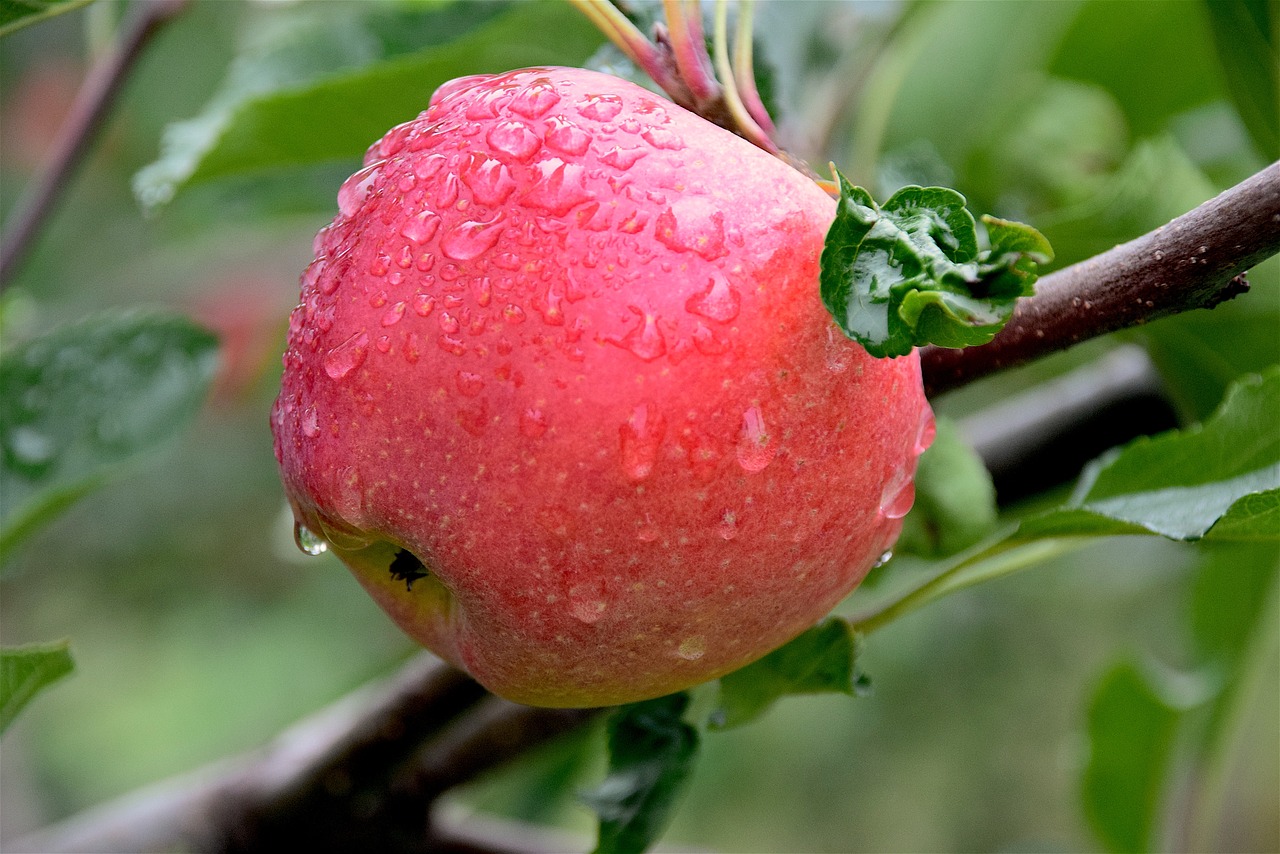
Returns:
(1196, 261)
(94, 100)
(359, 775)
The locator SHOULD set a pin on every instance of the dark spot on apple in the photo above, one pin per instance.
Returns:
(407, 568)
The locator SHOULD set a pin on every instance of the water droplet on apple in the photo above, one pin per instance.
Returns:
(559, 187)
(423, 304)
(347, 356)
(640, 438)
(392, 315)
(693, 648)
(563, 135)
(307, 541)
(534, 101)
(693, 224)
(449, 324)
(662, 138)
(927, 432)
(600, 108)
(490, 180)
(645, 339)
(756, 448)
(621, 158)
(585, 605)
(728, 525)
(883, 559)
(898, 495)
(533, 423)
(311, 423)
(514, 139)
(421, 227)
(356, 189)
(719, 301)
(470, 240)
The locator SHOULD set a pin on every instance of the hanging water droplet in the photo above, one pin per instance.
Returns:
(756, 448)
(534, 101)
(347, 356)
(719, 301)
(563, 135)
(307, 541)
(559, 188)
(600, 108)
(883, 559)
(356, 189)
(421, 227)
(489, 179)
(622, 158)
(692, 648)
(927, 432)
(640, 438)
(898, 495)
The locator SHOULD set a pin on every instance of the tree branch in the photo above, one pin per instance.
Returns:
(359, 775)
(1195, 261)
(94, 100)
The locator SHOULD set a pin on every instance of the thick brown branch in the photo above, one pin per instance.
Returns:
(92, 103)
(1196, 261)
(360, 775)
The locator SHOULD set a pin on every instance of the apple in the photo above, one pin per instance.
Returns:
(562, 393)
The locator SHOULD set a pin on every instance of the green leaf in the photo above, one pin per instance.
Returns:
(25, 671)
(821, 660)
(955, 505)
(1183, 483)
(330, 84)
(651, 755)
(80, 401)
(1131, 731)
(1243, 31)
(16, 14)
(909, 273)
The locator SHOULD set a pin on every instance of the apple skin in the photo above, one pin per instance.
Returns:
(563, 345)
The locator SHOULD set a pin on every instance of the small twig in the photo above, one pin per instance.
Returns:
(1195, 261)
(94, 100)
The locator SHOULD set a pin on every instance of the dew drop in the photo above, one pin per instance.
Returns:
(600, 108)
(585, 604)
(354, 190)
(449, 324)
(662, 138)
(423, 304)
(645, 339)
(898, 495)
(421, 227)
(514, 139)
(563, 135)
(533, 423)
(756, 448)
(307, 541)
(490, 180)
(622, 158)
(347, 356)
(883, 559)
(640, 438)
(311, 423)
(427, 167)
(559, 187)
(693, 224)
(691, 649)
(709, 342)
(392, 315)
(719, 301)
(927, 432)
(534, 101)
(470, 240)
(728, 525)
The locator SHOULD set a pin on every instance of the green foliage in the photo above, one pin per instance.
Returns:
(1245, 34)
(347, 72)
(1184, 483)
(25, 671)
(16, 14)
(819, 661)
(651, 754)
(78, 402)
(909, 273)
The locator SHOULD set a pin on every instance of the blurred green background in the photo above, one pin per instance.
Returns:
(199, 630)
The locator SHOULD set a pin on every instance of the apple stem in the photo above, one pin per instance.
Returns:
(746, 123)
(688, 48)
(744, 73)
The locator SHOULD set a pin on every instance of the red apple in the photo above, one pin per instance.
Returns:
(562, 392)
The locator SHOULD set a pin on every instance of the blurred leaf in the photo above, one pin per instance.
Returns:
(25, 671)
(909, 273)
(1180, 484)
(955, 499)
(1154, 56)
(328, 86)
(81, 400)
(651, 755)
(819, 661)
(1131, 730)
(1244, 33)
(1229, 597)
(16, 14)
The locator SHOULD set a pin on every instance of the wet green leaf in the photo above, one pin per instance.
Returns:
(651, 755)
(80, 401)
(909, 272)
(25, 671)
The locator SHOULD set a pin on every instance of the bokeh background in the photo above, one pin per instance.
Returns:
(199, 630)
